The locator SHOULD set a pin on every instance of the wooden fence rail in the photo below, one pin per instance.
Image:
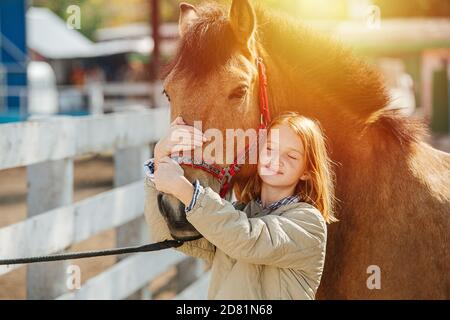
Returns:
(47, 147)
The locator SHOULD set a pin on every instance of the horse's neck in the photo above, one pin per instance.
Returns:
(366, 159)
(359, 153)
(288, 91)
(376, 172)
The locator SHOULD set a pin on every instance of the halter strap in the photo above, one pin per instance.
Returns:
(226, 174)
(263, 97)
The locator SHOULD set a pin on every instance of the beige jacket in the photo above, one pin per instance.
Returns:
(255, 254)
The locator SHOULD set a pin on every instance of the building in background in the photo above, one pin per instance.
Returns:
(61, 62)
(13, 59)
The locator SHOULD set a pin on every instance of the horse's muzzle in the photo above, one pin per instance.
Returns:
(174, 214)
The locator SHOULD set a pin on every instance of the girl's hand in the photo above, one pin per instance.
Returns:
(181, 137)
(170, 179)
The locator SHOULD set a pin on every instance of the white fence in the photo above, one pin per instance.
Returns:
(47, 147)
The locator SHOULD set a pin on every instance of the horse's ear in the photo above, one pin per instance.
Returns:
(188, 14)
(243, 20)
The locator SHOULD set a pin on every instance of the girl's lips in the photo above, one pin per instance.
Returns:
(272, 170)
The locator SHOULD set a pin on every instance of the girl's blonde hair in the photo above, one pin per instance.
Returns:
(318, 190)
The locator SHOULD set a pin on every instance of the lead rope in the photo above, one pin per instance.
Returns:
(166, 244)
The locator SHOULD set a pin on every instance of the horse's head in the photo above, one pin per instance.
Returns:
(213, 79)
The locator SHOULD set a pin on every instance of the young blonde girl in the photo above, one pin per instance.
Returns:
(271, 245)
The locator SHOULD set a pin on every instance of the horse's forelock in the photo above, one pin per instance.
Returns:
(208, 44)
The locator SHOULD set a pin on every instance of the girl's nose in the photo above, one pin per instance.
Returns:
(275, 162)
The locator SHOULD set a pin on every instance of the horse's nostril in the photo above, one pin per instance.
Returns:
(181, 207)
(175, 217)
(161, 206)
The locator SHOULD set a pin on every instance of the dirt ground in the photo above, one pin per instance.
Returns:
(91, 176)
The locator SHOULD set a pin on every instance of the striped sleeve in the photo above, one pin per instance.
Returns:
(197, 189)
(149, 169)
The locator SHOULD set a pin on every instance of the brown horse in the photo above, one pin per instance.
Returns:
(394, 189)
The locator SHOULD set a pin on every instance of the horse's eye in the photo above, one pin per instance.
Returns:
(164, 92)
(238, 93)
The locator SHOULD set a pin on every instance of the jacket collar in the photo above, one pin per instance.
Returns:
(284, 201)
(253, 209)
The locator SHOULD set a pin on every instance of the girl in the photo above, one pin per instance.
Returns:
(272, 247)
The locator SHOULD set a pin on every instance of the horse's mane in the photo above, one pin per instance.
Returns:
(323, 61)
(343, 75)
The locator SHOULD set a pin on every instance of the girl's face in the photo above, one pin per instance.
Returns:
(282, 159)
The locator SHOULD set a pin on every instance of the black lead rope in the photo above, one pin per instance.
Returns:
(166, 244)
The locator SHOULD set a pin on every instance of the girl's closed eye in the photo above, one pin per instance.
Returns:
(294, 154)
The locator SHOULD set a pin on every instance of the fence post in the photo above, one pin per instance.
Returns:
(128, 168)
(96, 98)
(188, 271)
(50, 185)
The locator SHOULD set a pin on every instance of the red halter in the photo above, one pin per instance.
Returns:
(225, 174)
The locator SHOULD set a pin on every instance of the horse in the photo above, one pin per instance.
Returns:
(393, 188)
